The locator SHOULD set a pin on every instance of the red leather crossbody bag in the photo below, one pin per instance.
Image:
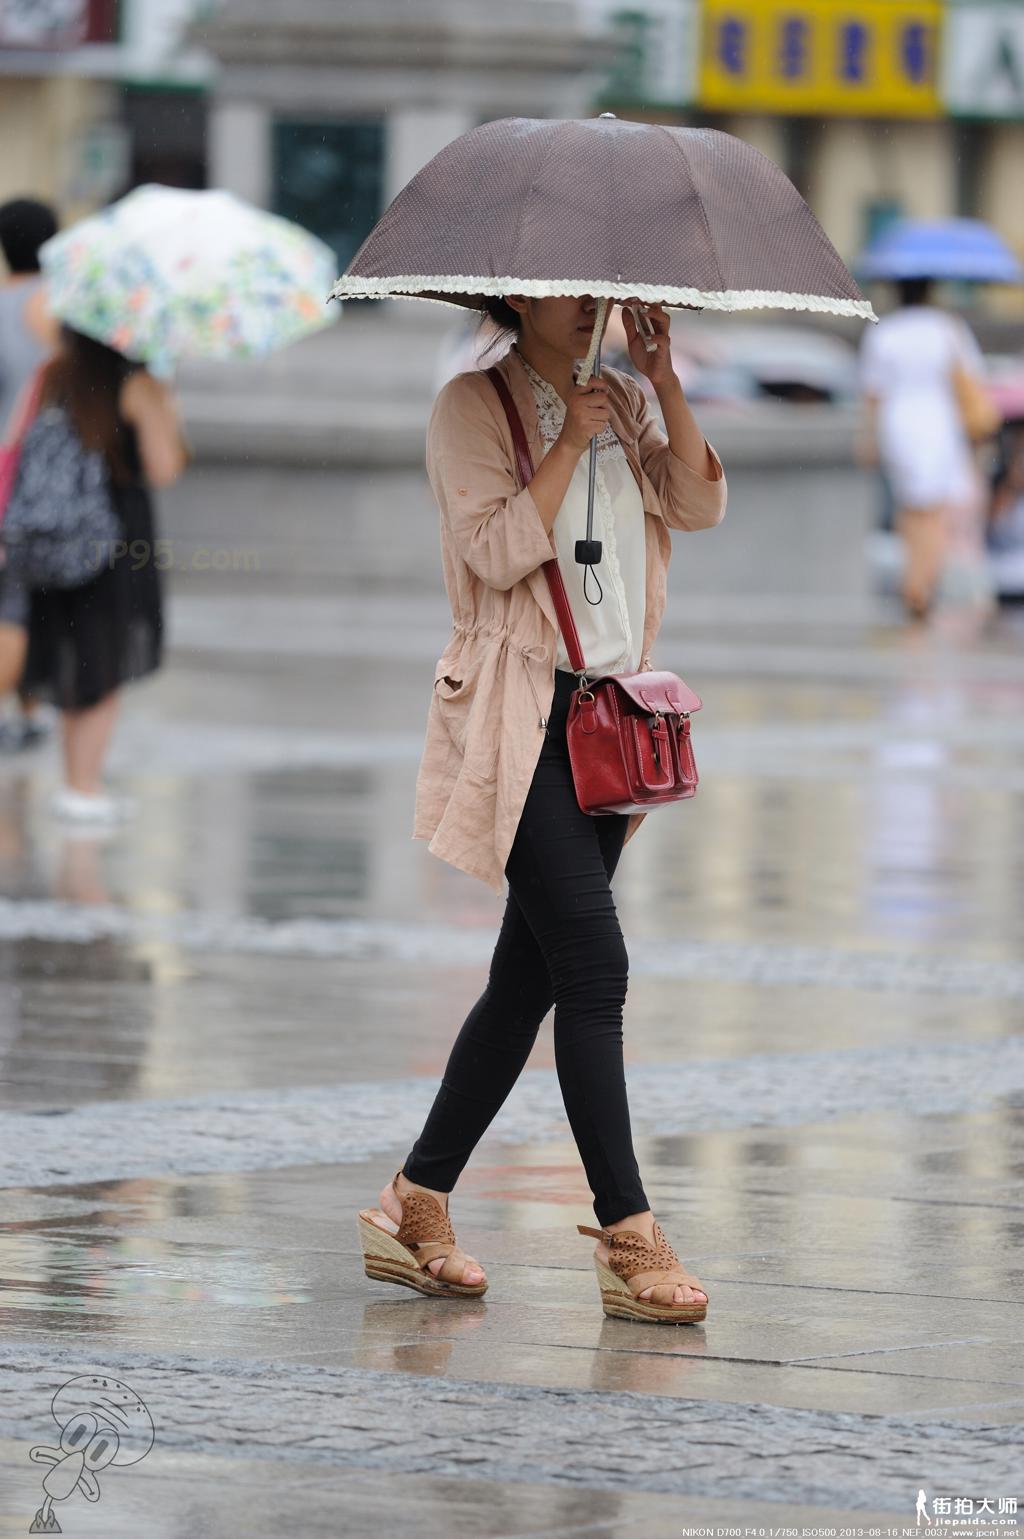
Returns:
(628, 734)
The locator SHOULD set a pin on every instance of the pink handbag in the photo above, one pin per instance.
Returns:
(628, 734)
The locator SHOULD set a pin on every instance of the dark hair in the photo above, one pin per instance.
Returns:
(85, 378)
(914, 291)
(508, 321)
(25, 224)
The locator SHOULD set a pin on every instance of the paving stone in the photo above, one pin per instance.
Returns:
(298, 1125)
(175, 1495)
(503, 1431)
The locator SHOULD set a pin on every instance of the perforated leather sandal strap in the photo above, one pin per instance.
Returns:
(655, 1279)
(633, 1253)
(599, 1234)
(423, 1219)
(455, 1260)
(429, 1250)
(655, 1266)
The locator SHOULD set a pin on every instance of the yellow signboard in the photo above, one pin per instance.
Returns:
(873, 58)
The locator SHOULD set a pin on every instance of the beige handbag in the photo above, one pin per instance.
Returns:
(978, 412)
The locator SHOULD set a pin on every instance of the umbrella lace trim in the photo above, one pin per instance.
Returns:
(427, 286)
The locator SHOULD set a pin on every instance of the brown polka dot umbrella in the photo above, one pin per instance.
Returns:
(607, 207)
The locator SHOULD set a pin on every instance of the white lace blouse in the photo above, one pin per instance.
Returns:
(611, 631)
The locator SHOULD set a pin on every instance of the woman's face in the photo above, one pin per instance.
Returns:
(565, 325)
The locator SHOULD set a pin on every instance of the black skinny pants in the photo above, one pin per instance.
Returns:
(560, 942)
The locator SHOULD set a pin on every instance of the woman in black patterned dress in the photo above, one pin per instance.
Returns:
(84, 643)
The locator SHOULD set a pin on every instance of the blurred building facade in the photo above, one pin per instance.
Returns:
(97, 96)
(875, 109)
(323, 109)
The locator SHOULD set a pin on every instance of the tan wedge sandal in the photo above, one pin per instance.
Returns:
(635, 1264)
(424, 1234)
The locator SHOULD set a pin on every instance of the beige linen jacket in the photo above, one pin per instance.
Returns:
(494, 682)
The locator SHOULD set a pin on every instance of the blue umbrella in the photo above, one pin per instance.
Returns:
(961, 249)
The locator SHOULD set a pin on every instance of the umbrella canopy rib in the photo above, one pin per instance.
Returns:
(685, 170)
(527, 212)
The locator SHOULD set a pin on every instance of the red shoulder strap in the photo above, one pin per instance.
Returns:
(27, 407)
(551, 568)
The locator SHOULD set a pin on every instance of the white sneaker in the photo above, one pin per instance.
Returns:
(81, 807)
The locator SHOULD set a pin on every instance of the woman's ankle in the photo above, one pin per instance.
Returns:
(643, 1223)
(404, 1184)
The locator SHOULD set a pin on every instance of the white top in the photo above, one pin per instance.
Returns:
(611, 632)
(905, 360)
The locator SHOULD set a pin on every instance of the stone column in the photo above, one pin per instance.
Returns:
(239, 148)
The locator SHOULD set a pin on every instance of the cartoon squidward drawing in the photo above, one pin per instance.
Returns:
(101, 1421)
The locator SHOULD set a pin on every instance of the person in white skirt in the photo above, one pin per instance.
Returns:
(914, 430)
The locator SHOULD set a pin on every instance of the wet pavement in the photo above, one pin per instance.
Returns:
(221, 1027)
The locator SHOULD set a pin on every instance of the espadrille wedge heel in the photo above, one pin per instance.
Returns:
(635, 1264)
(424, 1234)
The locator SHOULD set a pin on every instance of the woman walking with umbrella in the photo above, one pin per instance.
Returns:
(560, 939)
(163, 276)
(495, 793)
(921, 377)
(82, 643)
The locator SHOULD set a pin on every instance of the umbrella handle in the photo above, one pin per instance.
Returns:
(590, 481)
(588, 551)
(593, 358)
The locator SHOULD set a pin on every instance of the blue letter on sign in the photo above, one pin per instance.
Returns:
(853, 47)
(732, 37)
(793, 47)
(914, 49)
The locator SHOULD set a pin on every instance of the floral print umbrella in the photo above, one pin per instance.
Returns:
(166, 275)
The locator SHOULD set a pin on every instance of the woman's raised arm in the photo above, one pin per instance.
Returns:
(688, 499)
(150, 407)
